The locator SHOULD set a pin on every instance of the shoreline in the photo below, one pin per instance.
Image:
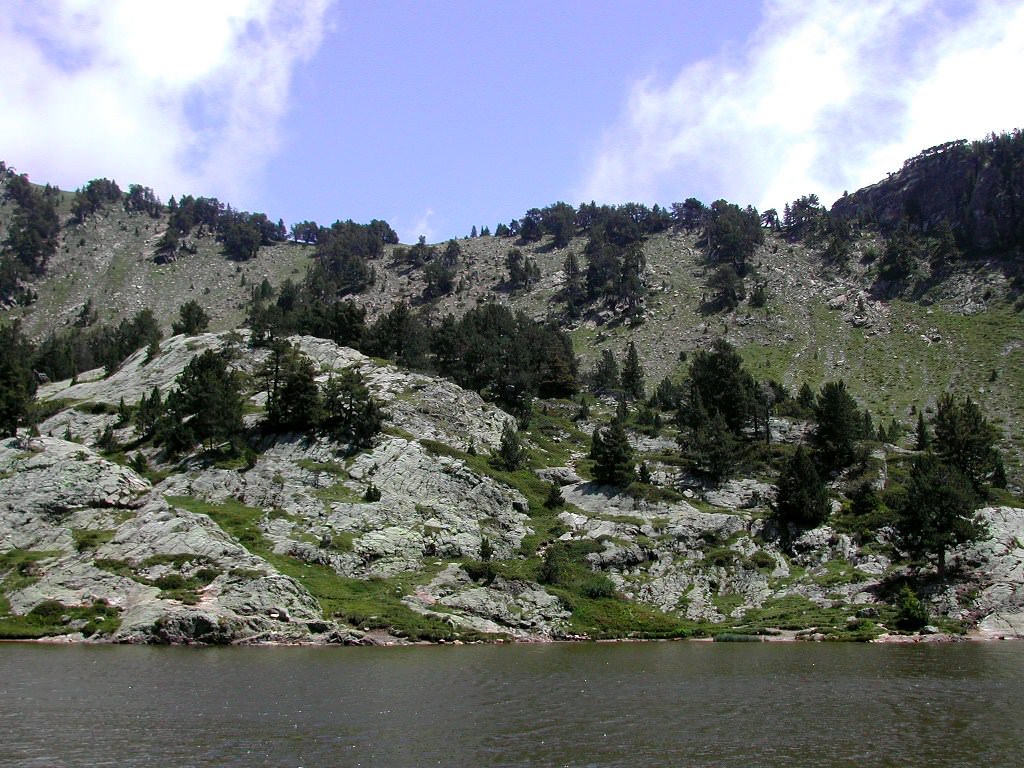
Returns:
(383, 640)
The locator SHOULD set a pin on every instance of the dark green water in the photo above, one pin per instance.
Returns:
(657, 704)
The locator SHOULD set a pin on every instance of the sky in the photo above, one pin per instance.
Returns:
(438, 116)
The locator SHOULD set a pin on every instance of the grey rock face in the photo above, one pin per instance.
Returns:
(517, 608)
(54, 477)
(107, 537)
(999, 573)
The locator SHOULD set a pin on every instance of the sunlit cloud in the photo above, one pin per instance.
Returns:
(827, 97)
(183, 97)
(420, 226)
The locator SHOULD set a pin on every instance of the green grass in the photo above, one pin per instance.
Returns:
(88, 538)
(838, 572)
(17, 567)
(606, 618)
(795, 612)
(50, 618)
(339, 492)
(172, 585)
(330, 467)
(727, 603)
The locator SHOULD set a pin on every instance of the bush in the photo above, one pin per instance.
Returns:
(911, 613)
(597, 587)
(480, 570)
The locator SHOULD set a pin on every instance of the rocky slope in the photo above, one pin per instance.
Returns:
(821, 321)
(290, 549)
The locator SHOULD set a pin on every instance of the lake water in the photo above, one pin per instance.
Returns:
(652, 704)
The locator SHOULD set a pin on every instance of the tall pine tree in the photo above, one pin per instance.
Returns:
(633, 374)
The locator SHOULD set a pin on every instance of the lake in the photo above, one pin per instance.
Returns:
(628, 704)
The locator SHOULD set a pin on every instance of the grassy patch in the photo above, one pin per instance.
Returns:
(53, 618)
(610, 618)
(837, 572)
(96, 408)
(173, 585)
(798, 613)
(654, 494)
(19, 569)
(330, 467)
(90, 538)
(725, 604)
(339, 492)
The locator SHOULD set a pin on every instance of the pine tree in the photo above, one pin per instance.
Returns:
(192, 319)
(802, 498)
(839, 425)
(574, 291)
(805, 398)
(923, 438)
(511, 452)
(148, 412)
(206, 407)
(965, 439)
(293, 399)
(350, 413)
(554, 499)
(938, 511)
(717, 377)
(612, 455)
(605, 376)
(633, 374)
(712, 449)
(17, 384)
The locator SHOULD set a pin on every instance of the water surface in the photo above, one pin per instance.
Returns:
(645, 704)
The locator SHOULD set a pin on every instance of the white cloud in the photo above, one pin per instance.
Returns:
(419, 227)
(828, 97)
(183, 97)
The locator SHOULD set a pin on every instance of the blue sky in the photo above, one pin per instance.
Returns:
(438, 116)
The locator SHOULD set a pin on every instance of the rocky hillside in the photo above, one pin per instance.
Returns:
(956, 329)
(423, 533)
(289, 546)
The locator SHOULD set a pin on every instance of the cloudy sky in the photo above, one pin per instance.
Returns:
(438, 116)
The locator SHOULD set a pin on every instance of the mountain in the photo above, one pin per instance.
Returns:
(451, 524)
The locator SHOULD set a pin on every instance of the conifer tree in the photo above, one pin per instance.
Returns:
(17, 384)
(712, 448)
(965, 439)
(805, 398)
(554, 499)
(839, 426)
(633, 374)
(293, 399)
(938, 511)
(612, 455)
(574, 291)
(605, 377)
(802, 498)
(511, 452)
(350, 413)
(923, 438)
(192, 319)
(206, 407)
(718, 380)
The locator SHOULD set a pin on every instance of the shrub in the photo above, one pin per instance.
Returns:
(911, 613)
